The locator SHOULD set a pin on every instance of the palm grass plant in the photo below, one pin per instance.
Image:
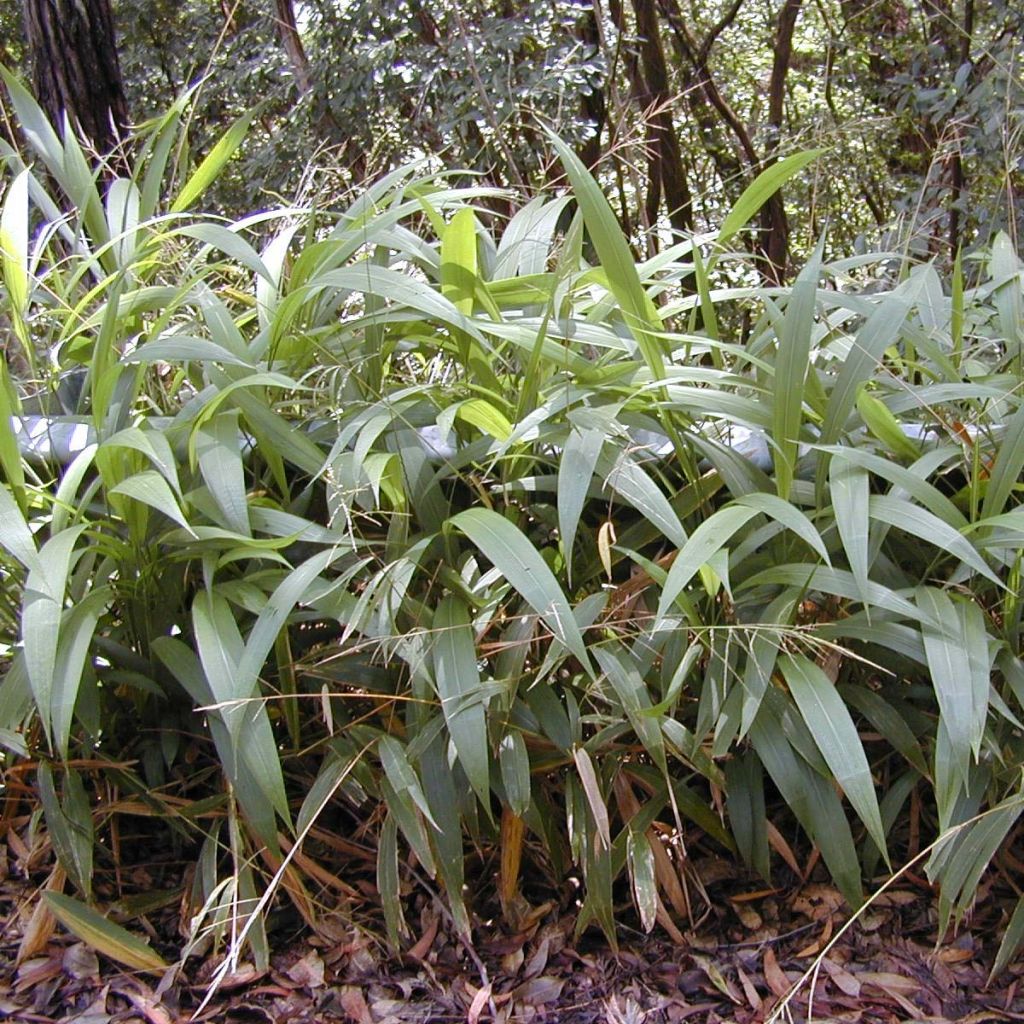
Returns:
(478, 537)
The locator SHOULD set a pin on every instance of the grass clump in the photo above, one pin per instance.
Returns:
(477, 538)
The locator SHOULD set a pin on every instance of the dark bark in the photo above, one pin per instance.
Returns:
(593, 107)
(958, 182)
(667, 174)
(705, 98)
(76, 69)
(288, 30)
(774, 242)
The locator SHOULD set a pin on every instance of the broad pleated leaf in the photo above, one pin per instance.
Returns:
(761, 189)
(575, 472)
(959, 676)
(458, 686)
(850, 490)
(791, 367)
(524, 568)
(830, 723)
(104, 936)
(616, 259)
(710, 537)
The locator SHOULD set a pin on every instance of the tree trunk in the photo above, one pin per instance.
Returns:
(774, 241)
(76, 69)
(288, 30)
(666, 158)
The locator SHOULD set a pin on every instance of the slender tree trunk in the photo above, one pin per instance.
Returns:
(774, 243)
(288, 30)
(76, 69)
(593, 107)
(667, 171)
(957, 183)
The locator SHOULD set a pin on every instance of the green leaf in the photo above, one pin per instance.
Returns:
(813, 801)
(710, 537)
(616, 259)
(830, 724)
(641, 869)
(515, 771)
(761, 189)
(459, 260)
(575, 472)
(76, 634)
(485, 417)
(1012, 941)
(206, 173)
(791, 367)
(592, 789)
(790, 517)
(883, 424)
(745, 802)
(71, 835)
(955, 644)
(524, 568)
(457, 677)
(880, 330)
(930, 528)
(958, 863)
(15, 535)
(151, 489)
(628, 479)
(217, 446)
(1009, 463)
(629, 687)
(837, 582)
(850, 489)
(887, 721)
(102, 935)
(388, 883)
(41, 616)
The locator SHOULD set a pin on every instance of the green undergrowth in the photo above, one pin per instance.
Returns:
(452, 529)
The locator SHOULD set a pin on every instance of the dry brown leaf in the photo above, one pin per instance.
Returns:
(784, 850)
(890, 982)
(952, 955)
(420, 950)
(717, 978)
(352, 1002)
(666, 922)
(748, 989)
(749, 897)
(538, 960)
(479, 1002)
(774, 977)
(846, 982)
(145, 1001)
(81, 962)
(511, 962)
(244, 974)
(748, 916)
(538, 991)
(42, 923)
(814, 948)
(513, 829)
(308, 972)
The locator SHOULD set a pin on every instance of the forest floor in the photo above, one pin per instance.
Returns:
(747, 951)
